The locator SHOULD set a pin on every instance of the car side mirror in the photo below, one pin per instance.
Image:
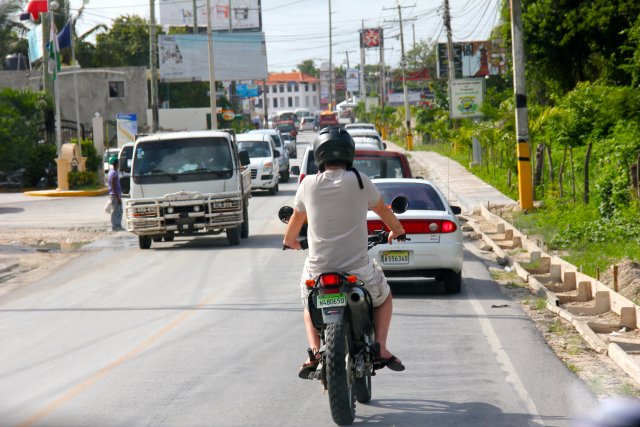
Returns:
(276, 154)
(456, 210)
(399, 204)
(384, 145)
(244, 158)
(295, 170)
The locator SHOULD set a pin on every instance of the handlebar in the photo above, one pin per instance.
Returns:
(377, 238)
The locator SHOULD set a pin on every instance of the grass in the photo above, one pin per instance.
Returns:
(539, 304)
(556, 327)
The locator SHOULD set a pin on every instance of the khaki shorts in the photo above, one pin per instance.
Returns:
(371, 274)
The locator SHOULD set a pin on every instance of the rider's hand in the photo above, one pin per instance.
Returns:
(293, 244)
(395, 233)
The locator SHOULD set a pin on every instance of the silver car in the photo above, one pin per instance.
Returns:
(284, 153)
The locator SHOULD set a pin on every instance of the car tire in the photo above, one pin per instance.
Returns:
(144, 242)
(284, 177)
(273, 190)
(233, 235)
(452, 282)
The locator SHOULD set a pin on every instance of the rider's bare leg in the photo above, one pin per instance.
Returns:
(381, 322)
(312, 333)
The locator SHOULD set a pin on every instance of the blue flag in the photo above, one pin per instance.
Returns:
(64, 37)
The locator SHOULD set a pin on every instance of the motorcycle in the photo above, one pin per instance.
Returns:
(12, 181)
(341, 310)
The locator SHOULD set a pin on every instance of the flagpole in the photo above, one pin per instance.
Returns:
(75, 84)
(56, 97)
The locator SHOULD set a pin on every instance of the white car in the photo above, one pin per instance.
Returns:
(308, 123)
(435, 248)
(369, 134)
(264, 160)
(365, 126)
(107, 155)
(283, 160)
(367, 143)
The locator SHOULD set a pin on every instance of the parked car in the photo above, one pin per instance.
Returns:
(264, 160)
(368, 143)
(284, 153)
(290, 143)
(435, 249)
(125, 158)
(367, 126)
(373, 163)
(367, 133)
(308, 123)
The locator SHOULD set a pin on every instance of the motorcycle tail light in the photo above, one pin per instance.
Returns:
(310, 283)
(352, 279)
(329, 280)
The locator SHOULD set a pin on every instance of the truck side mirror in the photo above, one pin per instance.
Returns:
(276, 154)
(244, 158)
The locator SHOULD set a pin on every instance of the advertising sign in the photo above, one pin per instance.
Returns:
(467, 96)
(353, 79)
(242, 15)
(246, 91)
(472, 59)
(237, 56)
(127, 127)
(371, 37)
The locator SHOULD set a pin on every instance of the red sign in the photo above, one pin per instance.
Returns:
(371, 37)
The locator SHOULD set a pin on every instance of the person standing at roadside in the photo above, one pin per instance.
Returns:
(115, 193)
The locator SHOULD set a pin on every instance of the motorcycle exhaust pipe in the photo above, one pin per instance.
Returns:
(361, 321)
(356, 297)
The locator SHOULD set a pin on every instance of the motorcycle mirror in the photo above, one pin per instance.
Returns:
(285, 213)
(399, 204)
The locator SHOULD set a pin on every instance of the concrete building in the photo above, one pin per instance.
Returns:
(288, 91)
(106, 91)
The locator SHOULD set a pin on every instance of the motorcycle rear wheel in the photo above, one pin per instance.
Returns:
(362, 389)
(339, 374)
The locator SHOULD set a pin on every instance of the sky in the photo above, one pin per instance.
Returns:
(297, 30)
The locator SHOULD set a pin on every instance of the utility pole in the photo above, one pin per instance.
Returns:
(212, 79)
(451, 66)
(330, 64)
(152, 63)
(363, 86)
(347, 94)
(195, 17)
(525, 187)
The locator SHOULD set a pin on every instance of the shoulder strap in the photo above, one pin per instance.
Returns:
(354, 170)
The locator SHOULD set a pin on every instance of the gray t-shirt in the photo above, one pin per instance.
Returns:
(336, 210)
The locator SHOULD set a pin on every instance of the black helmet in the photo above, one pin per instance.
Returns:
(334, 144)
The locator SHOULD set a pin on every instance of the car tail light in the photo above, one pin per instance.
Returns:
(301, 177)
(417, 226)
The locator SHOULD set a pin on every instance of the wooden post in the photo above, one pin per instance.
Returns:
(615, 278)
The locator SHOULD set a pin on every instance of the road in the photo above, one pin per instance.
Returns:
(195, 333)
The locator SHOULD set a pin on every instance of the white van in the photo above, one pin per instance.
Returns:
(264, 160)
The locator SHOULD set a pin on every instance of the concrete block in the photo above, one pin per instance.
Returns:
(535, 256)
(569, 279)
(628, 317)
(602, 305)
(508, 235)
(517, 242)
(555, 272)
(500, 228)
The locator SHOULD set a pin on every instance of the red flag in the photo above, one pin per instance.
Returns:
(35, 7)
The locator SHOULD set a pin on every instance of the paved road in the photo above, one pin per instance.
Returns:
(195, 333)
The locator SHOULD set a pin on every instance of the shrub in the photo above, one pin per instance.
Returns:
(78, 179)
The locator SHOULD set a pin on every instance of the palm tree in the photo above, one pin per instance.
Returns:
(11, 29)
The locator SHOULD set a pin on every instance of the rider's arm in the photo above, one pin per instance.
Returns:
(389, 218)
(296, 222)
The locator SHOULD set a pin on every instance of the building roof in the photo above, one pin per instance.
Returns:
(294, 76)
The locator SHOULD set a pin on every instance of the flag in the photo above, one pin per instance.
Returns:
(64, 37)
(36, 7)
(54, 53)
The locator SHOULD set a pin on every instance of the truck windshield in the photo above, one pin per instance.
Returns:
(182, 160)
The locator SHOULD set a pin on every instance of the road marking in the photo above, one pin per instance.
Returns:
(501, 355)
(79, 388)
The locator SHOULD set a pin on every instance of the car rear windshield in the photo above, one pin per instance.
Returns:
(182, 160)
(380, 167)
(256, 149)
(421, 196)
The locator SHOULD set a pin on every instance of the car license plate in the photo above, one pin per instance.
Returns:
(395, 257)
(331, 300)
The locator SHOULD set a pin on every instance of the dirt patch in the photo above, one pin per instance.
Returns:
(628, 279)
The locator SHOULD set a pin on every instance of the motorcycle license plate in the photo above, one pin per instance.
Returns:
(331, 300)
(395, 257)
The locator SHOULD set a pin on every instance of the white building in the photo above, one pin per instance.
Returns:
(288, 91)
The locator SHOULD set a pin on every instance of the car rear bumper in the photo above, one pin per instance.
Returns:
(445, 255)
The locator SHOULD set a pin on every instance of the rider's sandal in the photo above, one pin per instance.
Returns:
(392, 363)
(308, 368)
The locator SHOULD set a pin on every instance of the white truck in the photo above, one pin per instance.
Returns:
(188, 183)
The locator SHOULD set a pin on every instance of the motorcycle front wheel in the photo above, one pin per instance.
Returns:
(340, 374)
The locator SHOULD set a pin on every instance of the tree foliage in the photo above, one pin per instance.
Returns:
(126, 44)
(308, 66)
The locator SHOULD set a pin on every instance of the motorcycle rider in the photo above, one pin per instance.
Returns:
(334, 203)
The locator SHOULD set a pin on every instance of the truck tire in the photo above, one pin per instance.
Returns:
(144, 242)
(169, 237)
(233, 235)
(244, 228)
(157, 238)
(284, 177)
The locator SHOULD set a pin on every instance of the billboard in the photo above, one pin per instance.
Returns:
(239, 14)
(371, 37)
(472, 59)
(126, 128)
(237, 56)
(467, 96)
(353, 79)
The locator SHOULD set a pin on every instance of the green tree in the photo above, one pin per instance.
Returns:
(125, 45)
(11, 30)
(308, 66)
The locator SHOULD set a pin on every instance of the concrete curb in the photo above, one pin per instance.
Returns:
(569, 276)
(67, 193)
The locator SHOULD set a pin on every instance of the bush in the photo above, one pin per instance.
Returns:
(78, 179)
(42, 158)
